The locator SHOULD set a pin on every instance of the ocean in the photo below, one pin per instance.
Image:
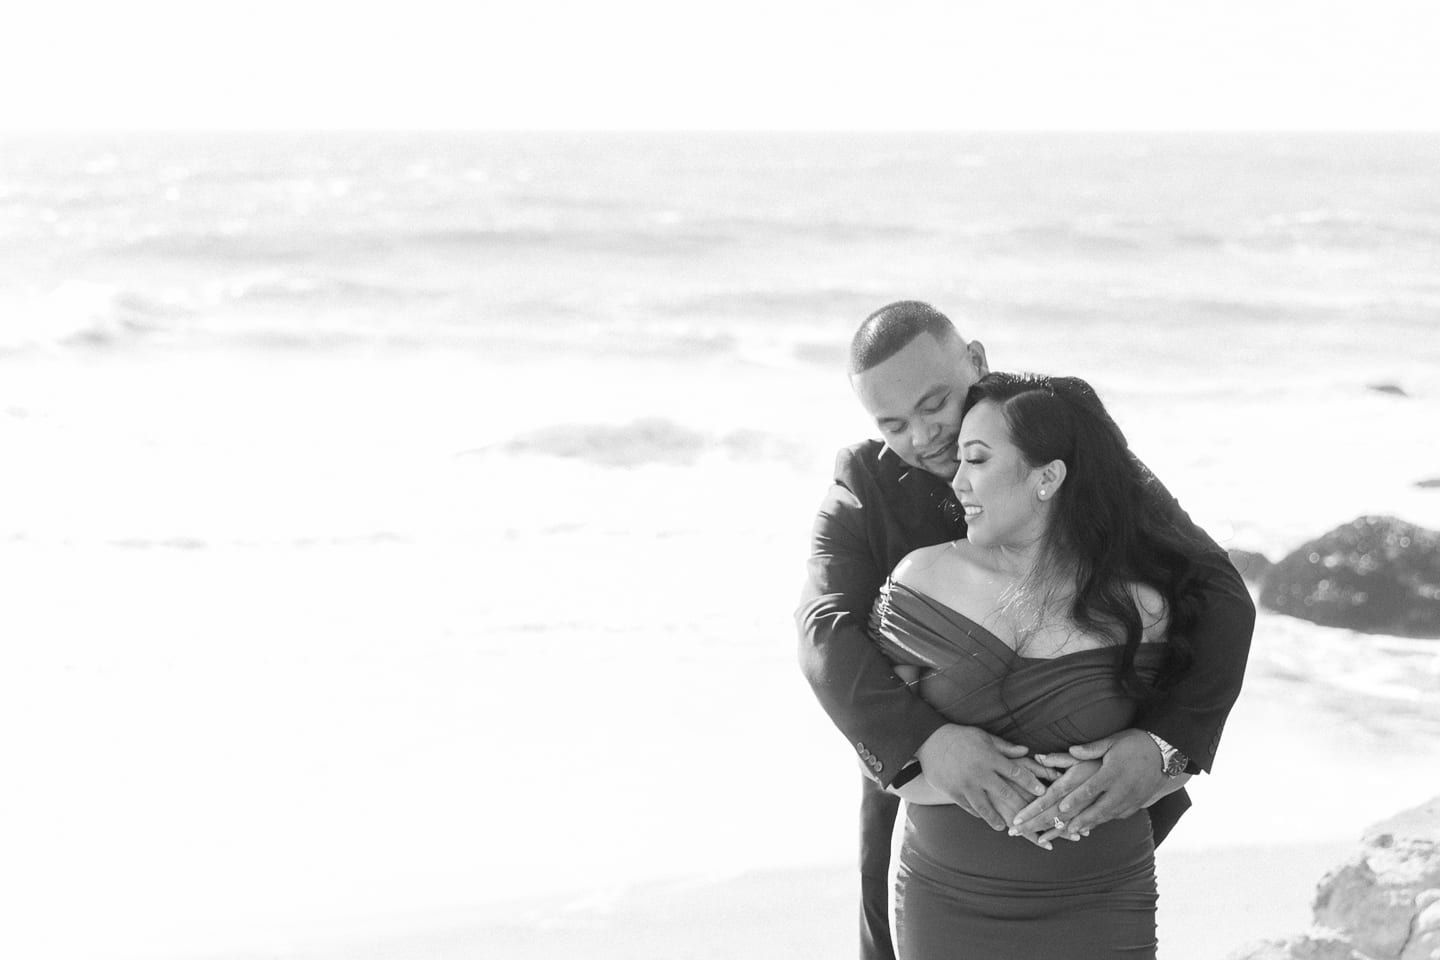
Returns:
(402, 524)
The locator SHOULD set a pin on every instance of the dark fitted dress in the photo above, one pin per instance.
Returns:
(967, 892)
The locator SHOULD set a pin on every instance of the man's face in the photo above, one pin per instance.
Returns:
(915, 398)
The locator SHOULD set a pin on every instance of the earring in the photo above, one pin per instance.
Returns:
(1042, 493)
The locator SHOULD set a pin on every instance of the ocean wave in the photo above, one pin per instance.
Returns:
(650, 440)
(87, 315)
(654, 232)
(1167, 309)
(828, 354)
(485, 237)
(1079, 237)
(1340, 228)
(777, 305)
(162, 543)
(243, 243)
(310, 289)
(1102, 236)
(655, 340)
(377, 538)
(656, 240)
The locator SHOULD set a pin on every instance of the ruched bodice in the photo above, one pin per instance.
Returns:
(964, 890)
(972, 677)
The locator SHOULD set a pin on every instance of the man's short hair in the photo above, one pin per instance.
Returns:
(890, 329)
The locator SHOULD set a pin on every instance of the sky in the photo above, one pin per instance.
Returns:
(659, 64)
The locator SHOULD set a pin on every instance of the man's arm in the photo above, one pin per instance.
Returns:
(1192, 715)
(886, 722)
(854, 682)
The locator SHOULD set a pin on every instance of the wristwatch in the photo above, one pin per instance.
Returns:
(1172, 761)
(907, 773)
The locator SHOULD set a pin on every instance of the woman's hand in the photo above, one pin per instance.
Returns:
(1068, 773)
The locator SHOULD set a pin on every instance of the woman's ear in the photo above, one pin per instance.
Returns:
(1052, 475)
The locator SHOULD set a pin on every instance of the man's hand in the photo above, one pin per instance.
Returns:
(981, 773)
(1129, 776)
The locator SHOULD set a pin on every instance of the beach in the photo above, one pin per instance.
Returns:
(405, 532)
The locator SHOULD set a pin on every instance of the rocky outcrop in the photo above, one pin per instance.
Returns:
(1384, 904)
(1251, 566)
(1375, 574)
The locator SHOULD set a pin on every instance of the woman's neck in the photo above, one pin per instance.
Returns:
(1037, 586)
(1017, 561)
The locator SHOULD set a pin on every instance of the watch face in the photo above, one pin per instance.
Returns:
(1175, 764)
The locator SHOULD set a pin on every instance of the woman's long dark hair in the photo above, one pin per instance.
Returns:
(1112, 522)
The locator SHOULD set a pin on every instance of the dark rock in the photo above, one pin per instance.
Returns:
(1251, 565)
(1390, 388)
(1376, 574)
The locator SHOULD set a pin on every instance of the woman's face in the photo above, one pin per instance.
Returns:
(994, 484)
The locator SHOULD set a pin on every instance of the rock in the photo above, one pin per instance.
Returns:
(1425, 939)
(1390, 388)
(1320, 947)
(1376, 899)
(1384, 904)
(1252, 566)
(1376, 574)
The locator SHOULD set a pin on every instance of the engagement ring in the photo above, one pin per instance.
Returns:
(1059, 824)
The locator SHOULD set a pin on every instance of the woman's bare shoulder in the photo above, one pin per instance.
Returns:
(918, 564)
(947, 560)
(948, 572)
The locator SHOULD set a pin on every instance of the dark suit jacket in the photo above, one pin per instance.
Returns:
(879, 509)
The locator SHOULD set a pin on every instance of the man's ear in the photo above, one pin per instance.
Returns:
(975, 350)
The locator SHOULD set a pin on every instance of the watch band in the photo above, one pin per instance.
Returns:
(907, 773)
(1172, 761)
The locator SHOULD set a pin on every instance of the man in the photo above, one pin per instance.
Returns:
(911, 369)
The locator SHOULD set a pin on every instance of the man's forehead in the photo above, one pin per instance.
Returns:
(922, 357)
(896, 392)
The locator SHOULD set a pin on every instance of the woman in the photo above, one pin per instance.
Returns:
(1060, 614)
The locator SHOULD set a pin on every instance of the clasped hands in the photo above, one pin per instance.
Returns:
(1001, 783)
